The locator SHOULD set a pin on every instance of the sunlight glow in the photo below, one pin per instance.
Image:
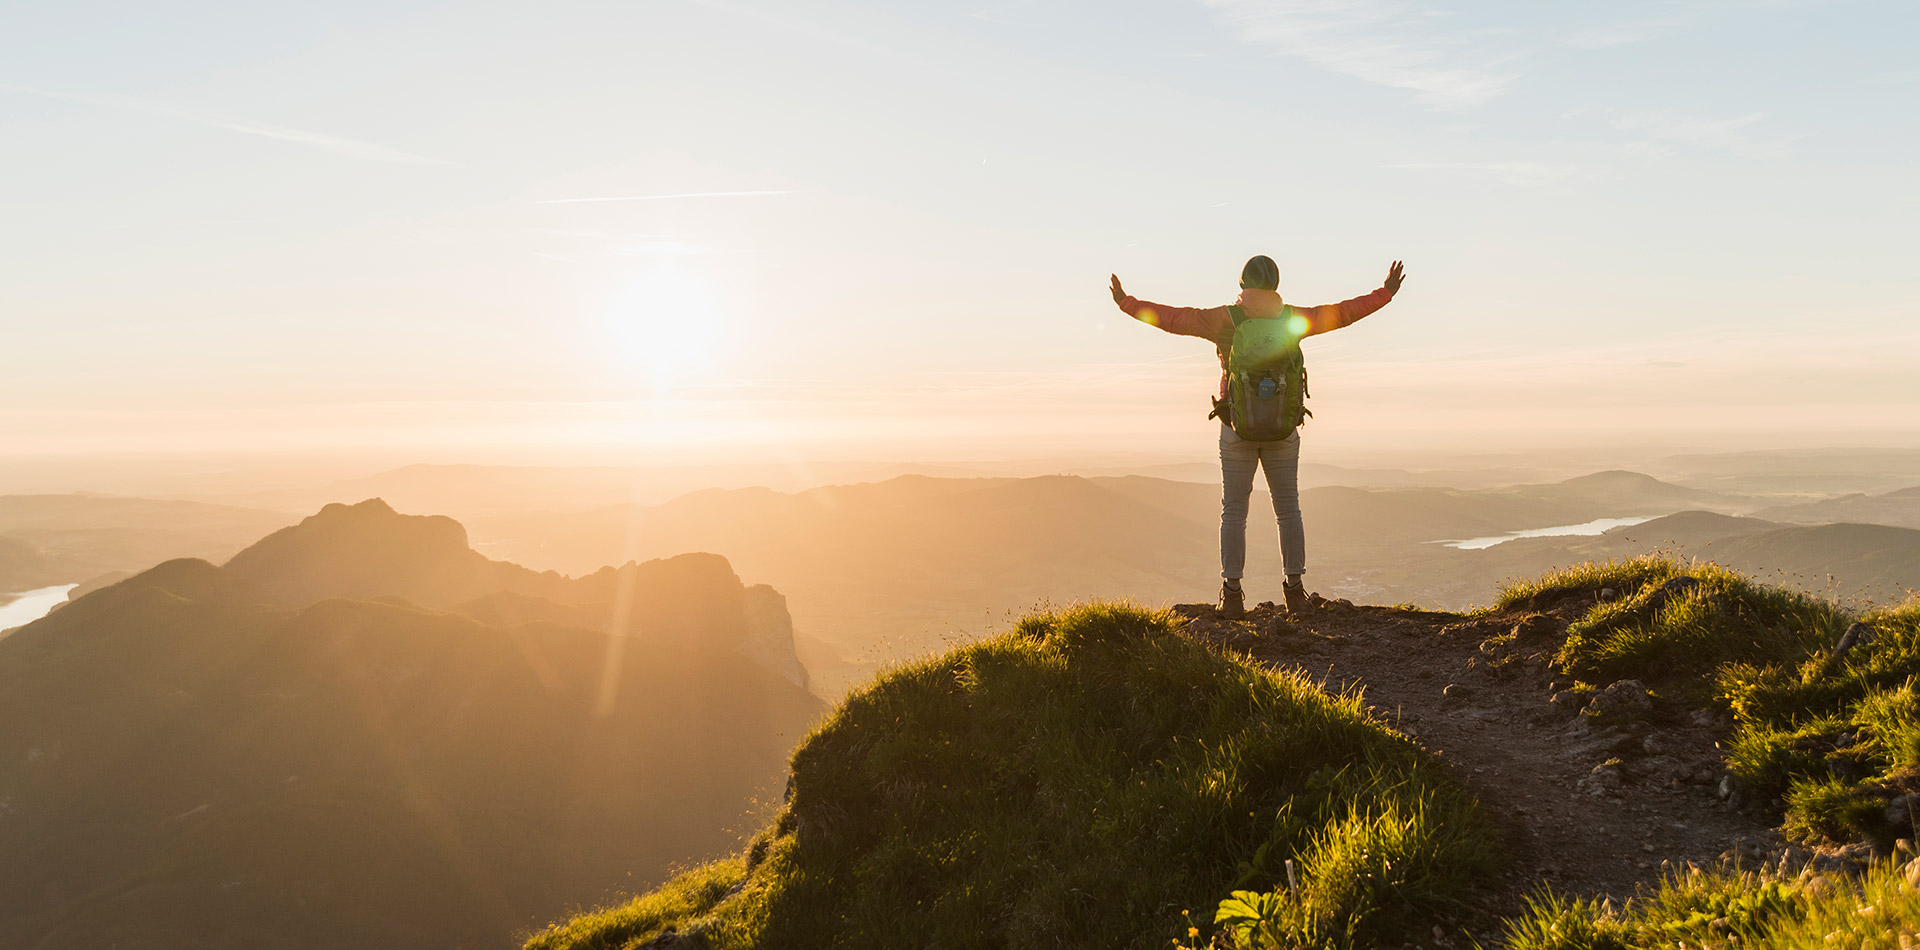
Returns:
(665, 321)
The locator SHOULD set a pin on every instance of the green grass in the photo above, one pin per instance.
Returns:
(686, 897)
(1650, 633)
(1837, 739)
(1080, 782)
(1831, 742)
(1588, 578)
(1730, 908)
(1085, 779)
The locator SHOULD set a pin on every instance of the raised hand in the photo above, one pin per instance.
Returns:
(1119, 295)
(1395, 275)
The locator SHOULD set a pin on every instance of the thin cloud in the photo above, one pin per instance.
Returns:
(344, 147)
(1661, 19)
(1450, 58)
(684, 194)
(1378, 41)
(1660, 130)
(1513, 173)
(1624, 33)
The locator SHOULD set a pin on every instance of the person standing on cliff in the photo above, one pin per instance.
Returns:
(1259, 300)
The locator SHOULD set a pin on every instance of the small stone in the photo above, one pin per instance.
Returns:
(1859, 634)
(1646, 846)
(1624, 701)
(1538, 625)
(1729, 790)
(1606, 742)
(1849, 861)
(1608, 593)
(1793, 859)
(1674, 587)
(1652, 745)
(1900, 810)
(1605, 776)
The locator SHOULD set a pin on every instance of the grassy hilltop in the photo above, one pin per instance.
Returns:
(1084, 779)
(1079, 782)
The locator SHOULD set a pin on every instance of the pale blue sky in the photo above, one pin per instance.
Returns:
(303, 225)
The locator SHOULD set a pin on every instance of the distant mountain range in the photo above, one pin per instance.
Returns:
(891, 568)
(1844, 562)
(1900, 508)
(1803, 472)
(359, 732)
(65, 539)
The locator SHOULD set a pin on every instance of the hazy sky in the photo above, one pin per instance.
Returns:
(881, 227)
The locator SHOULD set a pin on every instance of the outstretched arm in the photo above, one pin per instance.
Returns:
(1203, 322)
(1329, 317)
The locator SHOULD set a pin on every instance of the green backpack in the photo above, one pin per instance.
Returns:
(1266, 379)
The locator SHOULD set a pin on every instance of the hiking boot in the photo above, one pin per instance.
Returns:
(1296, 595)
(1233, 602)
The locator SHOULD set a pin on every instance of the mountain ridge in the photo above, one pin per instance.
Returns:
(319, 771)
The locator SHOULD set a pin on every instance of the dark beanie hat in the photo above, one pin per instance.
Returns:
(1261, 272)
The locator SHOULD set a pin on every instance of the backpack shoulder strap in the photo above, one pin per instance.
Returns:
(1238, 314)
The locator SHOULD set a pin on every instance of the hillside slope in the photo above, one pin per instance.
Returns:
(1899, 508)
(1078, 783)
(1632, 729)
(1856, 563)
(201, 763)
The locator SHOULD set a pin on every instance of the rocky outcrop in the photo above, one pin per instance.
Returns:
(769, 640)
(368, 550)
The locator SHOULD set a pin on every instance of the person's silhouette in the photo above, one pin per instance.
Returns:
(1259, 300)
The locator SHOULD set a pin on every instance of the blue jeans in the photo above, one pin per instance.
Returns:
(1238, 459)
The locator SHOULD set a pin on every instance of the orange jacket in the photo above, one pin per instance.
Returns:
(1216, 324)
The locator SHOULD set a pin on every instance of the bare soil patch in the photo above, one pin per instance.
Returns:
(1591, 804)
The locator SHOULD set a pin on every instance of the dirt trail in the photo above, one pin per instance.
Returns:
(1477, 693)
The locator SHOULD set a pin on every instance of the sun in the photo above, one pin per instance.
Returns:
(664, 320)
